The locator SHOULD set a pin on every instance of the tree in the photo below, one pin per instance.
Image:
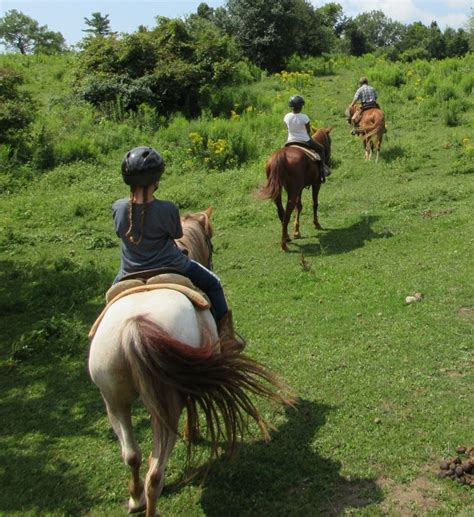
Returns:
(470, 30)
(355, 40)
(263, 30)
(380, 31)
(436, 45)
(19, 32)
(99, 25)
(270, 32)
(457, 42)
(332, 16)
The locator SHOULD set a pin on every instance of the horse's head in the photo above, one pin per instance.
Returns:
(197, 234)
(322, 137)
(350, 110)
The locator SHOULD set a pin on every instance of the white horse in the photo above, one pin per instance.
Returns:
(157, 345)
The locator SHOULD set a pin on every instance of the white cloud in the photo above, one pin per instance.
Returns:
(409, 11)
(459, 4)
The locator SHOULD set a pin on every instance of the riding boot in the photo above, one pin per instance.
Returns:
(229, 339)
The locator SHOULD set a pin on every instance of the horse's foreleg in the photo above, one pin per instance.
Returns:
(163, 443)
(368, 149)
(290, 206)
(121, 421)
(315, 191)
(299, 208)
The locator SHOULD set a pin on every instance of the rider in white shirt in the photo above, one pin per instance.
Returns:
(299, 130)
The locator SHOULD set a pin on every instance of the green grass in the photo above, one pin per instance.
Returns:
(329, 316)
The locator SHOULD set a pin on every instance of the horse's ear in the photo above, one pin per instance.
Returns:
(313, 129)
(208, 211)
(329, 129)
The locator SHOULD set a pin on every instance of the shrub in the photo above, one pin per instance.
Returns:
(17, 110)
(446, 92)
(452, 113)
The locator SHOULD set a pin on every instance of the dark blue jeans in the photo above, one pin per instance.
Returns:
(208, 282)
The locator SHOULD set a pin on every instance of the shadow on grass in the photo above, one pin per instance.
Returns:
(340, 240)
(286, 476)
(48, 402)
(391, 153)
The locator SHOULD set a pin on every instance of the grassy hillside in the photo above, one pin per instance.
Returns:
(384, 386)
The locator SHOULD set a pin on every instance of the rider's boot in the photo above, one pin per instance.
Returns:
(326, 170)
(229, 339)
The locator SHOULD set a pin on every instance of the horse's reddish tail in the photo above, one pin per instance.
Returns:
(276, 169)
(220, 385)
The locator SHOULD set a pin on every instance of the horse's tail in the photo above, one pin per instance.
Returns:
(220, 385)
(276, 170)
(377, 126)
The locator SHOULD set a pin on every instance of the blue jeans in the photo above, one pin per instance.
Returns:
(208, 282)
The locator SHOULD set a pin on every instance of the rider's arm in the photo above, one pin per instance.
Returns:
(356, 97)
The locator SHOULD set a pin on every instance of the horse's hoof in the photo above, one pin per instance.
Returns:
(284, 247)
(137, 509)
(134, 507)
(297, 235)
(318, 227)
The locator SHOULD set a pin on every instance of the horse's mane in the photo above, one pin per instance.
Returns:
(197, 230)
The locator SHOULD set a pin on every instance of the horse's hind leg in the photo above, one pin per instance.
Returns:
(378, 145)
(290, 206)
(121, 420)
(163, 443)
(280, 210)
(298, 209)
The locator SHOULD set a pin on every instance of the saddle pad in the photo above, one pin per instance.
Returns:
(159, 278)
(198, 299)
(313, 155)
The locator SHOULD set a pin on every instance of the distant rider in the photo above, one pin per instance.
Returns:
(367, 97)
(299, 130)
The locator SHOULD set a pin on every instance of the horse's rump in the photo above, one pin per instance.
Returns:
(372, 122)
(170, 350)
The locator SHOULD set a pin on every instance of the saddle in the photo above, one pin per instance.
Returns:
(149, 280)
(310, 153)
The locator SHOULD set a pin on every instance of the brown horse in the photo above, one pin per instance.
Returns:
(371, 128)
(290, 168)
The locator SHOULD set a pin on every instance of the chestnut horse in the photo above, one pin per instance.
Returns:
(290, 168)
(371, 129)
(157, 345)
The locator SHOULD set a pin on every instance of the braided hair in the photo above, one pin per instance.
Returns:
(143, 212)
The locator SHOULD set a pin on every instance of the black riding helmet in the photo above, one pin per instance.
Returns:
(296, 101)
(142, 166)
(363, 80)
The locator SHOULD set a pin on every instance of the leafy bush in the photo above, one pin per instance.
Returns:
(177, 66)
(390, 75)
(17, 110)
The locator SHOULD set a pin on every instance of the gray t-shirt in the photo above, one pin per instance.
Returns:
(157, 247)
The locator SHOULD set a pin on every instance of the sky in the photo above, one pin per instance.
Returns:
(67, 16)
